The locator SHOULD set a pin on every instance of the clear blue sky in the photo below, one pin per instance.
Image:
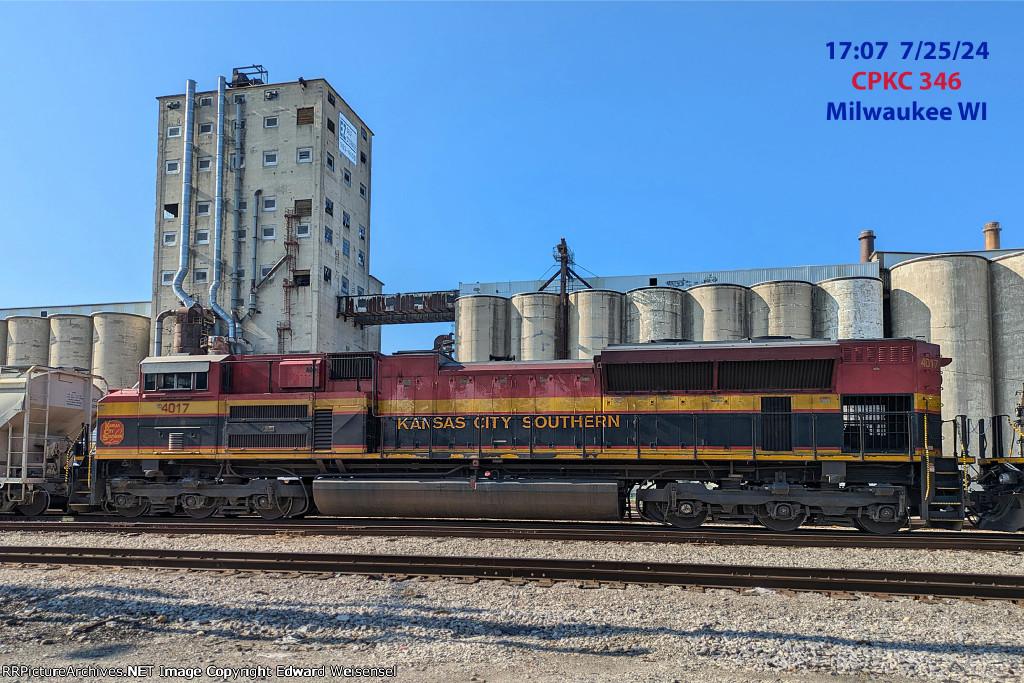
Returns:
(654, 137)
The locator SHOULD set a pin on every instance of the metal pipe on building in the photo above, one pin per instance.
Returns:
(867, 245)
(991, 231)
(236, 256)
(253, 238)
(186, 195)
(158, 338)
(218, 220)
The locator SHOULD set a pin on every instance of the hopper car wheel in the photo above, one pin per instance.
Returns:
(776, 523)
(865, 523)
(40, 503)
(131, 511)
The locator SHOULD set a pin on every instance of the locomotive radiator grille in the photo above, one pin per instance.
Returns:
(270, 440)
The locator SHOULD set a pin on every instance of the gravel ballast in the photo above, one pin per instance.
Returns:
(495, 631)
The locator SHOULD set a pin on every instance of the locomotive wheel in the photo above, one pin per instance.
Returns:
(687, 522)
(652, 511)
(40, 504)
(865, 523)
(133, 510)
(775, 524)
(276, 512)
(201, 512)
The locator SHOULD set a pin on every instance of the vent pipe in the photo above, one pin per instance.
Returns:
(867, 245)
(186, 196)
(218, 220)
(991, 231)
(236, 255)
(254, 238)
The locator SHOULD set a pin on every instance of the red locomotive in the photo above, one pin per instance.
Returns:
(781, 432)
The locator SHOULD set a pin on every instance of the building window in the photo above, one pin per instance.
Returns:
(330, 161)
(170, 239)
(362, 131)
(205, 101)
(243, 205)
(362, 233)
(202, 236)
(302, 278)
(328, 235)
(170, 211)
(174, 132)
(360, 291)
(348, 177)
(269, 232)
(205, 128)
(200, 275)
(270, 203)
(329, 206)
(304, 116)
(270, 158)
(240, 124)
(270, 121)
(202, 208)
(330, 125)
(327, 274)
(241, 273)
(362, 157)
(205, 163)
(344, 284)
(330, 98)
(167, 277)
(344, 247)
(237, 161)
(270, 94)
(362, 190)
(304, 155)
(346, 220)
(173, 166)
(265, 272)
(361, 259)
(302, 230)
(239, 99)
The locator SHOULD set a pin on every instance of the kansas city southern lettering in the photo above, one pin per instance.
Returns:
(505, 422)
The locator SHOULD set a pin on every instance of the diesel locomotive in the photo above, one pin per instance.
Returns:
(778, 432)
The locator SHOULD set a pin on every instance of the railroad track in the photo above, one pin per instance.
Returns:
(612, 532)
(594, 573)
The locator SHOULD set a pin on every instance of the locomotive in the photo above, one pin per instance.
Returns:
(778, 432)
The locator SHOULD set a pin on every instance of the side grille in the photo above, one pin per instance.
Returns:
(290, 411)
(659, 376)
(351, 367)
(323, 429)
(176, 441)
(775, 375)
(268, 441)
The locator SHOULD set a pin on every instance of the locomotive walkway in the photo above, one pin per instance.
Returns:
(519, 570)
(607, 533)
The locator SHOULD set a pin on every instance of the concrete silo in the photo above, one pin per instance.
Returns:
(28, 340)
(781, 308)
(944, 299)
(70, 341)
(719, 312)
(119, 342)
(533, 321)
(1006, 277)
(595, 321)
(848, 308)
(654, 313)
(481, 328)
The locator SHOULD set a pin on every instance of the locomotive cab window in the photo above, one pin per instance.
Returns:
(175, 381)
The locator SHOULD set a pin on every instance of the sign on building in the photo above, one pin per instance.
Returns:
(348, 142)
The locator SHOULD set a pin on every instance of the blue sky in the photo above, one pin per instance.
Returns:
(655, 137)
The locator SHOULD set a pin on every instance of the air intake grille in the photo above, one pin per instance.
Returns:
(323, 429)
(351, 367)
(290, 411)
(175, 441)
(775, 375)
(659, 376)
(268, 441)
